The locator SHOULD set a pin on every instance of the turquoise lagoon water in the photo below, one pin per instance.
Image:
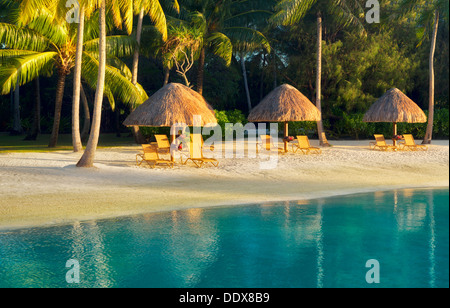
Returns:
(319, 243)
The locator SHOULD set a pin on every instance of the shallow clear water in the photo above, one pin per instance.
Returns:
(319, 243)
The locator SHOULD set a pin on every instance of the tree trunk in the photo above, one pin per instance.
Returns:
(76, 138)
(87, 160)
(166, 76)
(275, 70)
(429, 133)
(247, 91)
(36, 129)
(58, 106)
(138, 137)
(201, 71)
(17, 123)
(320, 130)
(261, 81)
(135, 67)
(87, 116)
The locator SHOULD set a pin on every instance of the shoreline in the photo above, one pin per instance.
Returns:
(45, 189)
(10, 228)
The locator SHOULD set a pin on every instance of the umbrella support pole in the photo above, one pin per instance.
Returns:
(286, 133)
(172, 140)
(395, 134)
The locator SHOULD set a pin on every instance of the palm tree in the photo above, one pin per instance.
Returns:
(154, 10)
(224, 25)
(430, 13)
(85, 10)
(47, 43)
(290, 12)
(35, 51)
(87, 160)
(106, 75)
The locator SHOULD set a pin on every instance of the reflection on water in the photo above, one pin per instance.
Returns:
(319, 243)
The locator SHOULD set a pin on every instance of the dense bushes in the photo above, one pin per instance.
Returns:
(352, 126)
(349, 126)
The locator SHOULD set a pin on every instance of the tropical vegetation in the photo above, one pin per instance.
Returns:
(233, 52)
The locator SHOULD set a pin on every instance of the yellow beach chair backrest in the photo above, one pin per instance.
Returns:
(163, 141)
(409, 140)
(196, 146)
(380, 140)
(150, 152)
(266, 142)
(303, 142)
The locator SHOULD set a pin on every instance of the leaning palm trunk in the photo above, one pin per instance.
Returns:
(320, 129)
(138, 137)
(247, 91)
(87, 160)
(58, 105)
(201, 71)
(429, 133)
(76, 138)
(87, 116)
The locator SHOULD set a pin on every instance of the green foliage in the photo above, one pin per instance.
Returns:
(352, 125)
(150, 132)
(300, 128)
(233, 116)
(361, 70)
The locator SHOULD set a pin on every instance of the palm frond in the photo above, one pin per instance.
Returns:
(30, 9)
(15, 37)
(26, 68)
(126, 10)
(121, 87)
(116, 45)
(290, 12)
(57, 33)
(7, 55)
(247, 39)
(221, 46)
(156, 13)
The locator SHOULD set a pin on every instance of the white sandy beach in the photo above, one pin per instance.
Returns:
(47, 188)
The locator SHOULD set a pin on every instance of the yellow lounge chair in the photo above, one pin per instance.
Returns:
(410, 144)
(151, 157)
(196, 154)
(381, 145)
(305, 146)
(267, 144)
(163, 144)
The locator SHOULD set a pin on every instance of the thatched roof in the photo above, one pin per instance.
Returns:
(395, 107)
(174, 103)
(285, 104)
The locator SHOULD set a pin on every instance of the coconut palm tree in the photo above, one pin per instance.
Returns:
(87, 160)
(35, 51)
(155, 11)
(429, 15)
(107, 76)
(224, 25)
(290, 12)
(47, 44)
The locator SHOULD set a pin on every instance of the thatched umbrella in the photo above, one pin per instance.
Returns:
(285, 104)
(172, 104)
(394, 106)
